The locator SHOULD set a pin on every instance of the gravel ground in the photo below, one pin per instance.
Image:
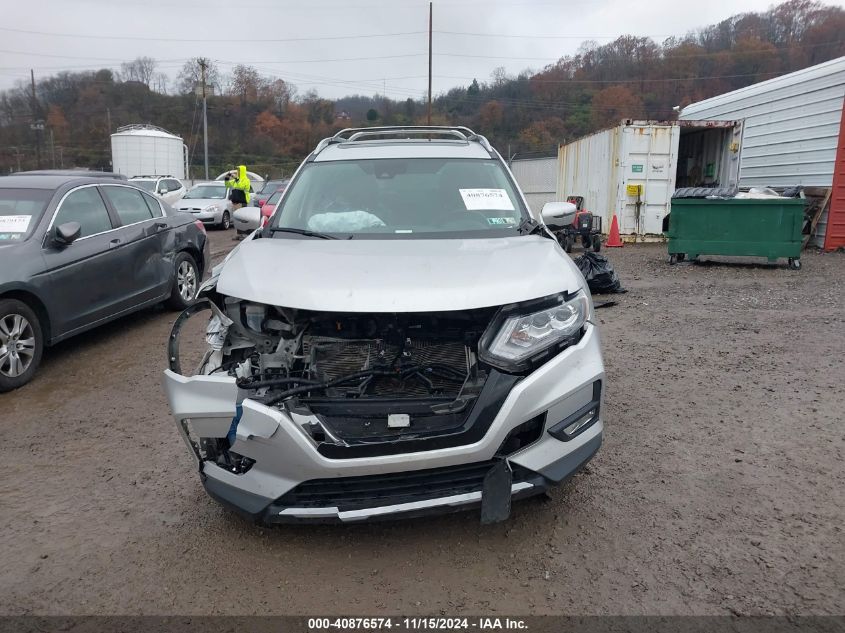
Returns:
(719, 488)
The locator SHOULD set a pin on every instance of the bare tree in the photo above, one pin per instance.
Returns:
(140, 69)
(190, 77)
(246, 83)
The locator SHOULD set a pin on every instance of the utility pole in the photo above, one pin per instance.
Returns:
(108, 120)
(35, 122)
(203, 64)
(430, 15)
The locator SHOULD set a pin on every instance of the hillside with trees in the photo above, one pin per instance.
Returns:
(267, 123)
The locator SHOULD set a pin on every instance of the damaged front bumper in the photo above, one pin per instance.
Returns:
(290, 480)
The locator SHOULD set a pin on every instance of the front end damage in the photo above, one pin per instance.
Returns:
(303, 415)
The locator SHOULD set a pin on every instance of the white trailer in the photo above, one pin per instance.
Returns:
(146, 150)
(632, 170)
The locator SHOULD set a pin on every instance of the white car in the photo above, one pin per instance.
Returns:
(208, 201)
(167, 188)
(401, 338)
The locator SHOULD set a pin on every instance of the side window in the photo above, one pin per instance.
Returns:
(128, 203)
(173, 185)
(153, 205)
(161, 186)
(86, 207)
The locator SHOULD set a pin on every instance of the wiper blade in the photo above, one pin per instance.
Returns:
(306, 232)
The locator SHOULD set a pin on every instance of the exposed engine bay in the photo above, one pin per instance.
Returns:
(348, 378)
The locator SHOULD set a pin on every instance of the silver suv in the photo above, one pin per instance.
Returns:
(402, 338)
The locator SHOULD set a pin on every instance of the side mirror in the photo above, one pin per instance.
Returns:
(247, 218)
(66, 233)
(162, 189)
(557, 215)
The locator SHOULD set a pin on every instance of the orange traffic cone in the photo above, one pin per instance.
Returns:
(613, 238)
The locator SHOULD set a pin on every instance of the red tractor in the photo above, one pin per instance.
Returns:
(585, 225)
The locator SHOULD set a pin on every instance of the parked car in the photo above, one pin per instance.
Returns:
(167, 188)
(269, 206)
(207, 201)
(270, 187)
(78, 252)
(77, 173)
(402, 338)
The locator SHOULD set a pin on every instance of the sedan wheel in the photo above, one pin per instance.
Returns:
(186, 280)
(186, 283)
(21, 344)
(17, 345)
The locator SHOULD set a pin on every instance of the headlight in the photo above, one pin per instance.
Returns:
(518, 337)
(210, 208)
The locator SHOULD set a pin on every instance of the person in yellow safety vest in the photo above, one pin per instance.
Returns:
(238, 181)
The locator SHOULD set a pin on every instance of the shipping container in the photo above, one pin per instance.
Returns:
(791, 128)
(146, 150)
(632, 170)
(537, 178)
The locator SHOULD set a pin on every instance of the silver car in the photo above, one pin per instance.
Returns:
(402, 338)
(207, 201)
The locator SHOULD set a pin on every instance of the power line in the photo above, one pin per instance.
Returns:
(205, 39)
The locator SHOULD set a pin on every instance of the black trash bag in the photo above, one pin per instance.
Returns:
(600, 276)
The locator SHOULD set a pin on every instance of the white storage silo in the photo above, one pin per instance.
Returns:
(146, 150)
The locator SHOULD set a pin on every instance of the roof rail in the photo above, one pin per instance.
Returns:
(354, 134)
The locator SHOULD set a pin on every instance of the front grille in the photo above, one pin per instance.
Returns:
(332, 358)
(355, 493)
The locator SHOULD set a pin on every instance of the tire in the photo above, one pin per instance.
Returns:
(19, 327)
(225, 221)
(186, 282)
(673, 259)
(682, 256)
(794, 264)
(567, 243)
(596, 244)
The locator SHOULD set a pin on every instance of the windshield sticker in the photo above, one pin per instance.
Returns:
(14, 223)
(501, 221)
(486, 200)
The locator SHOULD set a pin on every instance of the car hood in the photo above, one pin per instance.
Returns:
(198, 203)
(397, 275)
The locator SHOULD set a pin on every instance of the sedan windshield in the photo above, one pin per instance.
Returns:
(274, 199)
(214, 192)
(400, 198)
(20, 210)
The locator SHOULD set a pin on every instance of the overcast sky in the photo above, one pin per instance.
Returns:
(332, 46)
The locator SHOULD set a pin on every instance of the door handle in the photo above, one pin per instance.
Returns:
(161, 225)
(114, 243)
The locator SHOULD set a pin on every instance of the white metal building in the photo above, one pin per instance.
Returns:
(790, 127)
(536, 177)
(146, 150)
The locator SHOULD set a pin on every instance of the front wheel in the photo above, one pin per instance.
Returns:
(567, 243)
(186, 282)
(226, 221)
(21, 344)
(596, 244)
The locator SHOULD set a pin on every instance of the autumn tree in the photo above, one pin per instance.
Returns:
(613, 104)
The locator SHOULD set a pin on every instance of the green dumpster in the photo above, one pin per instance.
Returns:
(736, 227)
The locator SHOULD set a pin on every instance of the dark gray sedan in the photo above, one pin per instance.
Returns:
(78, 252)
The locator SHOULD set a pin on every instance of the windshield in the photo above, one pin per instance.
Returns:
(215, 192)
(271, 185)
(401, 198)
(20, 210)
(274, 199)
(146, 185)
